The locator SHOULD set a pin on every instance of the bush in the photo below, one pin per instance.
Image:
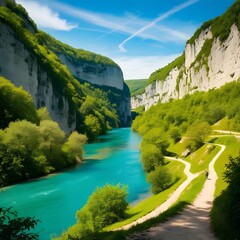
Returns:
(15, 104)
(104, 207)
(160, 179)
(226, 208)
(151, 157)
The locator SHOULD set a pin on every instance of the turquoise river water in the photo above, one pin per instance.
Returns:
(54, 200)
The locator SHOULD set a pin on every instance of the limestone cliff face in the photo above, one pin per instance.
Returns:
(21, 67)
(103, 75)
(222, 65)
(99, 74)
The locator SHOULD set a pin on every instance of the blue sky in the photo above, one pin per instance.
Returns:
(140, 35)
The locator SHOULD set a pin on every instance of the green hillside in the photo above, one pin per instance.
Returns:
(136, 86)
(191, 119)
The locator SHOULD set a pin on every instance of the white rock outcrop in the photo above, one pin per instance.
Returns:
(223, 65)
(99, 74)
(22, 69)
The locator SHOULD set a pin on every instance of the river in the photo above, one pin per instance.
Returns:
(54, 200)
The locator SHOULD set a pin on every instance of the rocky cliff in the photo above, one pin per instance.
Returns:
(210, 59)
(21, 67)
(24, 64)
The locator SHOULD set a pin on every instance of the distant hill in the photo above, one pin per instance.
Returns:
(136, 86)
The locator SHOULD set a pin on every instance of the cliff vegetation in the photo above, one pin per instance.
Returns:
(104, 110)
(31, 144)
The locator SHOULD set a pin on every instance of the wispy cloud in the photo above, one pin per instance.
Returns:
(129, 24)
(46, 17)
(141, 67)
(155, 21)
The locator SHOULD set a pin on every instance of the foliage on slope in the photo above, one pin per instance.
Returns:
(105, 206)
(64, 84)
(31, 144)
(190, 116)
(221, 25)
(162, 73)
(136, 86)
(226, 208)
(199, 107)
(74, 55)
(15, 104)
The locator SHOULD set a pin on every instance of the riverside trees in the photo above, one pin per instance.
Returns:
(29, 151)
(105, 206)
(31, 144)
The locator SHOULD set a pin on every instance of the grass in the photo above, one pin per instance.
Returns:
(177, 148)
(201, 158)
(151, 203)
(232, 149)
(187, 197)
(219, 215)
(222, 124)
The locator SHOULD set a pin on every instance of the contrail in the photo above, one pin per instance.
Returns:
(118, 28)
(155, 21)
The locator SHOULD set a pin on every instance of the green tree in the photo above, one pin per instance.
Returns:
(43, 114)
(175, 134)
(88, 105)
(157, 137)
(232, 177)
(151, 157)
(51, 147)
(13, 227)
(15, 104)
(104, 207)
(73, 147)
(160, 179)
(19, 151)
(197, 133)
(93, 126)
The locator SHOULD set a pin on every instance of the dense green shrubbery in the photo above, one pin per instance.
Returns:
(105, 206)
(15, 104)
(226, 208)
(160, 179)
(29, 151)
(31, 144)
(199, 107)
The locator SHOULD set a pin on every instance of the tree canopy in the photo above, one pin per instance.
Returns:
(15, 104)
(104, 207)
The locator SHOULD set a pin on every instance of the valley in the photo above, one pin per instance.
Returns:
(85, 154)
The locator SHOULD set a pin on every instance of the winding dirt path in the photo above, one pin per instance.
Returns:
(194, 221)
(171, 200)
